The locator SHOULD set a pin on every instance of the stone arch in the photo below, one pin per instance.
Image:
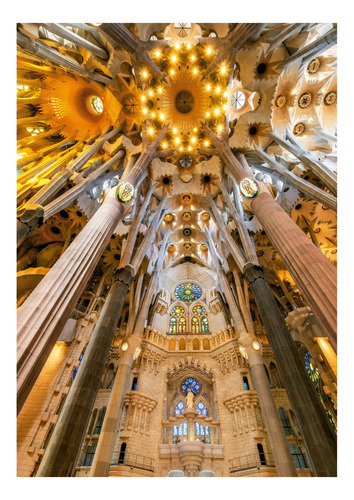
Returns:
(196, 344)
(182, 344)
(275, 375)
(206, 344)
(172, 345)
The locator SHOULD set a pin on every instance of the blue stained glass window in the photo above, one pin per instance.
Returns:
(188, 292)
(190, 383)
(201, 408)
(173, 325)
(311, 369)
(179, 409)
(198, 310)
(205, 325)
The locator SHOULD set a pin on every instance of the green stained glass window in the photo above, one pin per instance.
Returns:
(195, 325)
(182, 325)
(188, 292)
(198, 310)
(205, 325)
(178, 310)
(311, 369)
(173, 325)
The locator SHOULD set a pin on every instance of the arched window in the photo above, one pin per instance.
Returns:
(80, 359)
(201, 408)
(285, 422)
(90, 453)
(99, 422)
(195, 325)
(93, 418)
(246, 384)
(182, 325)
(172, 345)
(177, 311)
(205, 325)
(135, 383)
(173, 325)
(198, 310)
(179, 408)
(298, 457)
(196, 345)
(182, 345)
(275, 376)
(180, 432)
(206, 344)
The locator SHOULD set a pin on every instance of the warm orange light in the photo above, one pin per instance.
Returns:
(217, 111)
(174, 130)
(223, 70)
(208, 51)
(181, 149)
(143, 98)
(153, 115)
(178, 46)
(159, 90)
(207, 114)
(144, 74)
(177, 140)
(188, 45)
(172, 71)
(208, 87)
(174, 58)
(217, 90)
(162, 116)
(193, 58)
(195, 71)
(206, 143)
(164, 145)
(190, 148)
(151, 131)
(145, 111)
(157, 53)
(219, 128)
(151, 92)
(193, 139)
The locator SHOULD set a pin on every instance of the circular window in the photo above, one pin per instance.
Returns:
(280, 101)
(305, 100)
(188, 292)
(298, 128)
(187, 231)
(190, 384)
(313, 66)
(125, 192)
(96, 104)
(252, 131)
(238, 99)
(261, 68)
(171, 248)
(166, 180)
(186, 161)
(186, 216)
(330, 98)
(206, 179)
(184, 101)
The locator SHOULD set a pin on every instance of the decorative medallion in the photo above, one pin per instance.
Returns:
(313, 66)
(186, 199)
(334, 251)
(249, 188)
(324, 207)
(187, 246)
(305, 99)
(186, 161)
(125, 192)
(188, 292)
(205, 216)
(238, 99)
(171, 248)
(280, 101)
(260, 253)
(317, 230)
(203, 247)
(186, 216)
(168, 217)
(330, 98)
(298, 128)
(96, 104)
(187, 231)
(131, 104)
(184, 101)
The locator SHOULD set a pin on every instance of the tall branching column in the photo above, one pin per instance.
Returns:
(43, 315)
(313, 273)
(280, 449)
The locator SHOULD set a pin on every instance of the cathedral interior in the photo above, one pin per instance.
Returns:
(176, 250)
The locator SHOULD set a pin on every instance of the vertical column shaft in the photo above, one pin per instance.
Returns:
(70, 429)
(319, 438)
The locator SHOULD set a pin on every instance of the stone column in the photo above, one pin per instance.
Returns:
(312, 271)
(43, 315)
(319, 437)
(104, 452)
(69, 432)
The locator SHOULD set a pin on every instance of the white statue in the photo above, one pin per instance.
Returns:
(190, 397)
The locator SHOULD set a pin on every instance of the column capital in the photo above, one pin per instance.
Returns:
(252, 273)
(124, 275)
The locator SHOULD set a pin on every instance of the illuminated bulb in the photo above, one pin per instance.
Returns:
(324, 89)
(125, 346)
(164, 145)
(193, 139)
(145, 111)
(181, 149)
(145, 74)
(157, 53)
(188, 45)
(178, 46)
(190, 148)
(195, 71)
(174, 58)
(223, 69)
(224, 106)
(225, 93)
(193, 58)
(151, 131)
(143, 98)
(195, 129)
(208, 87)
(256, 346)
(217, 111)
(208, 50)
(219, 128)
(153, 115)
(206, 143)
(159, 90)
(172, 71)
(217, 90)
(162, 116)
(207, 114)
(177, 140)
(151, 92)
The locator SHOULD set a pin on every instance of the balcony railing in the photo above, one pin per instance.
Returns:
(251, 462)
(135, 461)
(189, 333)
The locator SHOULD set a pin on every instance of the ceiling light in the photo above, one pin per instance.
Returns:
(172, 71)
(145, 111)
(188, 45)
(193, 139)
(178, 46)
(207, 114)
(195, 71)
(217, 90)
(193, 58)
(143, 98)
(217, 111)
(223, 69)
(151, 131)
(145, 74)
(219, 128)
(175, 130)
(206, 143)
(174, 58)
(208, 51)
(157, 53)
(151, 92)
(177, 140)
(159, 90)
(164, 145)
(208, 87)
(162, 116)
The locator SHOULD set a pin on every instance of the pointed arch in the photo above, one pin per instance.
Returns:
(182, 345)
(172, 345)
(206, 344)
(204, 324)
(182, 325)
(196, 344)
(195, 325)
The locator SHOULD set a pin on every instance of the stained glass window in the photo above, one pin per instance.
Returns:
(311, 369)
(198, 310)
(181, 430)
(190, 383)
(177, 310)
(201, 408)
(182, 325)
(195, 325)
(205, 325)
(173, 325)
(179, 409)
(202, 431)
(188, 292)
